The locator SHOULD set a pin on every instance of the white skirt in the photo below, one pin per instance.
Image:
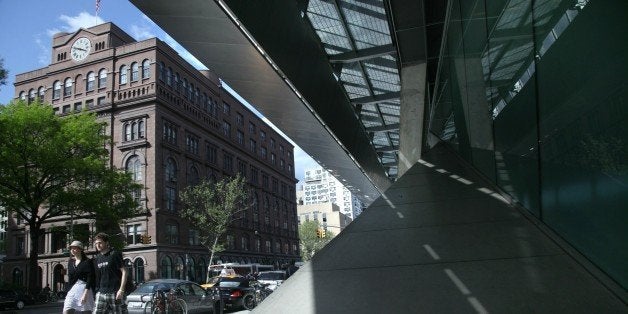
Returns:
(73, 298)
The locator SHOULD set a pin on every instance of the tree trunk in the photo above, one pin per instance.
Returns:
(211, 259)
(33, 281)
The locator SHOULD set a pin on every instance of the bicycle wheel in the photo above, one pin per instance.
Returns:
(178, 306)
(148, 307)
(248, 302)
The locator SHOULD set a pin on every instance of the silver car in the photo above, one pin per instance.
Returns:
(197, 299)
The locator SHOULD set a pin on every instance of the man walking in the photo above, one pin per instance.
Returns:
(110, 278)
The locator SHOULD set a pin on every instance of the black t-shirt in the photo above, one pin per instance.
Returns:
(108, 271)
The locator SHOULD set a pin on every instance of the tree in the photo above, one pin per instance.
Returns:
(309, 240)
(211, 206)
(52, 167)
(3, 73)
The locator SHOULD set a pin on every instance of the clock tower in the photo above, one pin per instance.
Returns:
(84, 45)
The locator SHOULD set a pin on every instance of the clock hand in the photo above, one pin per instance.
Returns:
(77, 48)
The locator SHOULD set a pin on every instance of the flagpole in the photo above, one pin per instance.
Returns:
(97, 9)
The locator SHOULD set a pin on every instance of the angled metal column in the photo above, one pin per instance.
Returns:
(411, 115)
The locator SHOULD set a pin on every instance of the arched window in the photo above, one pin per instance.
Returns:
(102, 78)
(32, 94)
(146, 69)
(171, 170)
(128, 132)
(171, 182)
(140, 129)
(67, 90)
(255, 208)
(177, 82)
(138, 270)
(123, 74)
(244, 243)
(191, 92)
(172, 232)
(56, 90)
(91, 80)
(185, 88)
(179, 268)
(197, 96)
(18, 276)
(162, 69)
(41, 93)
(135, 71)
(78, 84)
(134, 167)
(134, 130)
(193, 177)
(169, 76)
(255, 202)
(166, 267)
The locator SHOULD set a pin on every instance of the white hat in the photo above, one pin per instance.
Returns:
(77, 244)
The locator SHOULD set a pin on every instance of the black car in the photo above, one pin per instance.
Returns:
(237, 292)
(13, 299)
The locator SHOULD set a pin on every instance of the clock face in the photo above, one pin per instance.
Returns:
(80, 49)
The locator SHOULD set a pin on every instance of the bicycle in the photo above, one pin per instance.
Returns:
(45, 297)
(260, 292)
(165, 302)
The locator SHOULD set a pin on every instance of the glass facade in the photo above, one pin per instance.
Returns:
(533, 94)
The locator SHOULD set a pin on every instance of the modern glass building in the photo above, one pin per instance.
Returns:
(533, 95)
(527, 97)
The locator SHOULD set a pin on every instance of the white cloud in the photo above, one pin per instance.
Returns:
(145, 29)
(44, 51)
(142, 32)
(73, 23)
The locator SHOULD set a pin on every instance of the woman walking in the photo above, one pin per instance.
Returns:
(80, 298)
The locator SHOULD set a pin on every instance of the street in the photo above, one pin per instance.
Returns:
(46, 308)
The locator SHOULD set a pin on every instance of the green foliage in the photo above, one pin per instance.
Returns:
(3, 73)
(52, 167)
(310, 243)
(211, 206)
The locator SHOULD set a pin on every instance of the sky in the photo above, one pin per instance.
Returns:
(28, 26)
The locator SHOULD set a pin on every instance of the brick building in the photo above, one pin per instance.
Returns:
(171, 125)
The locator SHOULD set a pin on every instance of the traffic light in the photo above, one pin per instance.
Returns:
(318, 232)
(323, 231)
(146, 239)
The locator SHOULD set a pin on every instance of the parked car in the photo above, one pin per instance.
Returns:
(13, 299)
(198, 300)
(213, 281)
(237, 292)
(272, 279)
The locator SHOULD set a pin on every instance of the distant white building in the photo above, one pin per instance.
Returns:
(321, 187)
(327, 214)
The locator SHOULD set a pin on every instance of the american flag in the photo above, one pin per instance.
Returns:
(97, 6)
